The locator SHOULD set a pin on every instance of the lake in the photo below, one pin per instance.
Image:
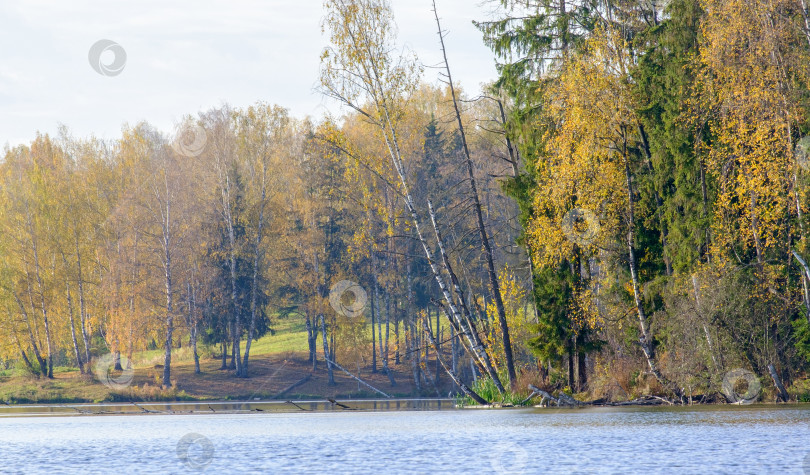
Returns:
(417, 438)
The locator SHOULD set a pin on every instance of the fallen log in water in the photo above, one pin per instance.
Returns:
(296, 405)
(563, 399)
(568, 400)
(642, 401)
(539, 392)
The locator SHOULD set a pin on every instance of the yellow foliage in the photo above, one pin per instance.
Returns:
(519, 316)
(590, 116)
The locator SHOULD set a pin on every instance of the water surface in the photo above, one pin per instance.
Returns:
(708, 439)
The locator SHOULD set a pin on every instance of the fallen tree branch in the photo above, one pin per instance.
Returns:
(355, 377)
(296, 405)
(343, 406)
(531, 396)
(464, 388)
(643, 401)
(663, 399)
(561, 400)
(149, 411)
(565, 400)
(540, 392)
(568, 400)
(293, 386)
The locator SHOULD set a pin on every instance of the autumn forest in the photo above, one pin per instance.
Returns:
(623, 212)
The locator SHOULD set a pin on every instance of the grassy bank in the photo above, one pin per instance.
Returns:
(277, 362)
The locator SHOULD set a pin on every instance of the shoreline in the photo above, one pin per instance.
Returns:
(341, 406)
(229, 407)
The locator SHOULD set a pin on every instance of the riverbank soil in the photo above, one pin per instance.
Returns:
(269, 376)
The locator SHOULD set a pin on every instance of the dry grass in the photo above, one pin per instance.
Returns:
(270, 374)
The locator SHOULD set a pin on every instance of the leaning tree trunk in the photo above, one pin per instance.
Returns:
(645, 338)
(468, 324)
(777, 382)
(491, 272)
(464, 388)
(380, 101)
(454, 313)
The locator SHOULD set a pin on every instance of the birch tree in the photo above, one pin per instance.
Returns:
(361, 71)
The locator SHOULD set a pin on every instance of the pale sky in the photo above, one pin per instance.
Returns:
(188, 55)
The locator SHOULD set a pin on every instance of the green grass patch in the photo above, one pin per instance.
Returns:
(486, 388)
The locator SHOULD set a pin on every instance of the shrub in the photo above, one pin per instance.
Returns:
(800, 389)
